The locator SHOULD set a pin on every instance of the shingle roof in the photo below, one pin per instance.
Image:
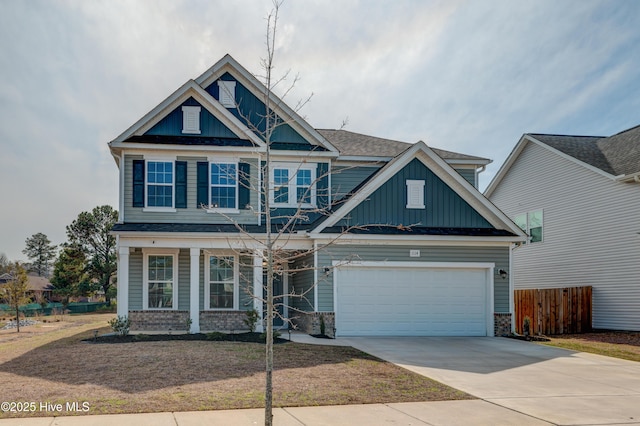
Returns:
(357, 144)
(617, 155)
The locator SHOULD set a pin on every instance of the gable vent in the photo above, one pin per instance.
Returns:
(415, 194)
(227, 93)
(191, 119)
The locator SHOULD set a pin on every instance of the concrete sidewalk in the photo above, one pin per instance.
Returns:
(445, 413)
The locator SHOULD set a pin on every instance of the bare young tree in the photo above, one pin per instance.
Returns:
(15, 290)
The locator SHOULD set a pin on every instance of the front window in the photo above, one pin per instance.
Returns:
(160, 282)
(221, 284)
(159, 184)
(293, 185)
(224, 185)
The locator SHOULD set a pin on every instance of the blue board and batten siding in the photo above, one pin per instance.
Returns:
(210, 126)
(498, 255)
(252, 108)
(444, 208)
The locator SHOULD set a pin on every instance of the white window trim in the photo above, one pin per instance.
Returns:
(160, 209)
(207, 281)
(293, 186)
(415, 185)
(222, 160)
(146, 252)
(227, 93)
(190, 113)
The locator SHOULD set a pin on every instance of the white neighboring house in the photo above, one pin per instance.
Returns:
(578, 197)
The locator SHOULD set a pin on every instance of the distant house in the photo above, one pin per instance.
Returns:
(38, 286)
(578, 198)
(394, 237)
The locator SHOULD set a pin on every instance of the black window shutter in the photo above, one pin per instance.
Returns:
(203, 184)
(322, 185)
(244, 190)
(181, 184)
(138, 183)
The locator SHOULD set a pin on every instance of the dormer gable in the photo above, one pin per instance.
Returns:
(249, 96)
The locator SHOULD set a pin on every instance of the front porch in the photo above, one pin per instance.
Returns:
(203, 290)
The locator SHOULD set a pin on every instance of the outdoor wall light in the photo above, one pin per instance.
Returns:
(327, 270)
(502, 273)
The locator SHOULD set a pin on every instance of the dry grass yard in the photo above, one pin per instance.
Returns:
(49, 363)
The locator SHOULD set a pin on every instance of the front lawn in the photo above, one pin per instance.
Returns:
(617, 344)
(57, 367)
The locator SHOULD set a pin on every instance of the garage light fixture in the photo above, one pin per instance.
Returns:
(502, 273)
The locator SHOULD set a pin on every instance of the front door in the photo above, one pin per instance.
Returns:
(279, 298)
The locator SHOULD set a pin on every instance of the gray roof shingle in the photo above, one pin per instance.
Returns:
(357, 144)
(617, 155)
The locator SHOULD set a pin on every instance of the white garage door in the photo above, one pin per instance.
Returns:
(412, 301)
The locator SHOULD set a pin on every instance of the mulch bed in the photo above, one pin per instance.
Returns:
(219, 337)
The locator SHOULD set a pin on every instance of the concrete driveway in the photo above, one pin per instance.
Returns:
(555, 385)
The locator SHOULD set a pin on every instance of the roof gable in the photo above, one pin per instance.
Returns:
(462, 190)
(615, 157)
(178, 98)
(444, 208)
(229, 68)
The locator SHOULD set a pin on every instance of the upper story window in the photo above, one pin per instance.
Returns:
(531, 223)
(191, 119)
(415, 194)
(227, 93)
(159, 184)
(293, 185)
(224, 186)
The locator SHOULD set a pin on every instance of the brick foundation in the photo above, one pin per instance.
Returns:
(227, 321)
(501, 324)
(159, 320)
(309, 322)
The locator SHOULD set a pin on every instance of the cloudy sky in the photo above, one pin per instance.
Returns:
(467, 76)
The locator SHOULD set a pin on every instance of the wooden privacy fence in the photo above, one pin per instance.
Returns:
(554, 310)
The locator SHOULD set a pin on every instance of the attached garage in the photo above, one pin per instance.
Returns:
(414, 299)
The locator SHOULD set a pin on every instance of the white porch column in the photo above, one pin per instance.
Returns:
(258, 294)
(123, 281)
(194, 293)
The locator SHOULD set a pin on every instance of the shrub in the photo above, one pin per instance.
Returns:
(263, 336)
(252, 319)
(120, 325)
(216, 335)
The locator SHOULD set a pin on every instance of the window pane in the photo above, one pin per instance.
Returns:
(221, 296)
(536, 234)
(535, 226)
(223, 185)
(223, 197)
(521, 221)
(304, 195)
(160, 281)
(221, 281)
(303, 178)
(159, 196)
(160, 295)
